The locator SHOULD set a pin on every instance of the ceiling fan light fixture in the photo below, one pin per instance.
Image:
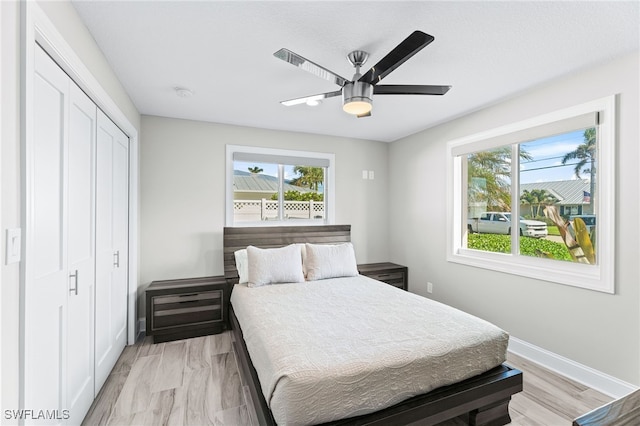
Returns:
(356, 98)
(358, 107)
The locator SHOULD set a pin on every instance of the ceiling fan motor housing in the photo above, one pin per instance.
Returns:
(357, 94)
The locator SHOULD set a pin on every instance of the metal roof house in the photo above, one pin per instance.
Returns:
(574, 196)
(256, 186)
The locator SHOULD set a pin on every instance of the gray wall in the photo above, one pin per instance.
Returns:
(182, 193)
(599, 330)
(67, 22)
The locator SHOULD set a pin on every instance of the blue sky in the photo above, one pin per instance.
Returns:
(546, 164)
(269, 169)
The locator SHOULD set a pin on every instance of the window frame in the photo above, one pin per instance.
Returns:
(598, 277)
(329, 185)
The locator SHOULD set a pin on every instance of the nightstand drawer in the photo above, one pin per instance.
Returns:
(186, 298)
(394, 276)
(191, 315)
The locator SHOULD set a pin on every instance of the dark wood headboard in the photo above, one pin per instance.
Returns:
(276, 236)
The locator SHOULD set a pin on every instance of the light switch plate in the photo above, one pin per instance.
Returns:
(14, 245)
(371, 174)
(365, 174)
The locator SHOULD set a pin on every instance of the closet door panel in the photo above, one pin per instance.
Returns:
(51, 91)
(121, 234)
(81, 253)
(46, 274)
(104, 348)
(111, 255)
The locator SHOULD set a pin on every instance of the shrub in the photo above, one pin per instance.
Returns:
(528, 246)
(300, 196)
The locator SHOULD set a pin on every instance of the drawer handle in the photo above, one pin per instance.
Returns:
(188, 295)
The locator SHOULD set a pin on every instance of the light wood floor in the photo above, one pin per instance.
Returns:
(196, 382)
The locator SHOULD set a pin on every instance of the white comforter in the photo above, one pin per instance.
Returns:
(338, 348)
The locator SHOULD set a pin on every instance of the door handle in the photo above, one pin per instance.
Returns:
(75, 281)
(116, 259)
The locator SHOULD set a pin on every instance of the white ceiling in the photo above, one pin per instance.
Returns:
(223, 52)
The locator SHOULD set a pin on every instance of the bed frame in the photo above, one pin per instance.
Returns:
(480, 400)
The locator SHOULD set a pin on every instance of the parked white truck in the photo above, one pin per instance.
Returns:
(500, 223)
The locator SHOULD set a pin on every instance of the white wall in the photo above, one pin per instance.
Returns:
(182, 193)
(65, 19)
(599, 330)
(10, 192)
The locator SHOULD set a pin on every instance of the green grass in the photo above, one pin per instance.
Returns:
(528, 246)
(553, 230)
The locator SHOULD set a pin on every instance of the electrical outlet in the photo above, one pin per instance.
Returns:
(429, 287)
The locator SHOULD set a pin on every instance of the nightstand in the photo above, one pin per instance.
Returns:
(191, 307)
(390, 273)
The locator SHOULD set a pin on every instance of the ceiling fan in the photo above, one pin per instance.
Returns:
(357, 93)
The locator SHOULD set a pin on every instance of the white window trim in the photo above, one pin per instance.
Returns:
(598, 277)
(329, 201)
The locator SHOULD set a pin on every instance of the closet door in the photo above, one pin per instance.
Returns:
(46, 274)
(112, 191)
(81, 253)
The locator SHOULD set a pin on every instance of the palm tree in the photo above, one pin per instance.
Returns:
(528, 198)
(310, 177)
(493, 169)
(543, 198)
(537, 198)
(586, 154)
(255, 170)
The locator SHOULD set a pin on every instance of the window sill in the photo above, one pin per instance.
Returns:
(590, 277)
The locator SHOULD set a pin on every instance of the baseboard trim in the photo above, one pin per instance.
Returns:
(142, 326)
(588, 376)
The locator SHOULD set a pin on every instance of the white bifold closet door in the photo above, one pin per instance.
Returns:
(75, 300)
(111, 246)
(46, 289)
(60, 265)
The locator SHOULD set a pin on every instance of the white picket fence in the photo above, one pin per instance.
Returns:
(255, 210)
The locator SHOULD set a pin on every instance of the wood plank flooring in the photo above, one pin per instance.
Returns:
(196, 382)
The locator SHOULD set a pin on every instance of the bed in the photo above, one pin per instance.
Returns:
(368, 364)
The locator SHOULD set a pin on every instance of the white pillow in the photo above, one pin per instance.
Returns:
(303, 250)
(242, 265)
(330, 261)
(272, 266)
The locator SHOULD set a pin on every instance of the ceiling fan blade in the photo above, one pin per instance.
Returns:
(306, 99)
(305, 64)
(409, 89)
(401, 53)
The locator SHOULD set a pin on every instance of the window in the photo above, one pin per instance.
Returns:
(276, 187)
(555, 174)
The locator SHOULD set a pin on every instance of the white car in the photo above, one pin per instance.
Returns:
(589, 221)
(500, 223)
